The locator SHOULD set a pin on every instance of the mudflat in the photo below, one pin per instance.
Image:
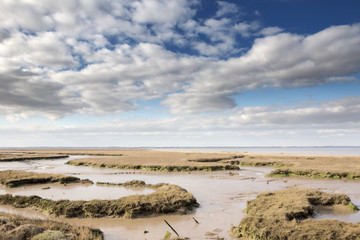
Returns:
(147, 157)
(292, 209)
(14, 227)
(316, 166)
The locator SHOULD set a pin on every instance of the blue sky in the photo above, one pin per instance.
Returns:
(127, 73)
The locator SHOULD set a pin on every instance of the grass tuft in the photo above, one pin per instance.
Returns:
(14, 227)
(167, 198)
(13, 178)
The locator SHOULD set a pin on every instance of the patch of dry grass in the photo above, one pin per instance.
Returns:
(167, 198)
(163, 161)
(286, 172)
(19, 228)
(13, 178)
(28, 152)
(22, 156)
(315, 166)
(287, 214)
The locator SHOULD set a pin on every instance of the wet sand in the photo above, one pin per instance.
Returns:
(222, 197)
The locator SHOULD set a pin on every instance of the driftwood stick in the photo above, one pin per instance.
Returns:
(171, 227)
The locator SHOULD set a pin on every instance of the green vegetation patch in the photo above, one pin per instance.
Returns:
(157, 168)
(14, 228)
(287, 214)
(13, 178)
(133, 183)
(219, 159)
(9, 157)
(166, 199)
(262, 164)
(313, 174)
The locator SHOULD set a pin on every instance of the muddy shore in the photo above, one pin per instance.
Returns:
(315, 166)
(246, 186)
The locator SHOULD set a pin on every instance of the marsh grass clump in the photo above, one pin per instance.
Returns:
(285, 172)
(167, 198)
(263, 164)
(133, 184)
(164, 161)
(22, 156)
(287, 214)
(155, 168)
(13, 178)
(19, 228)
(218, 159)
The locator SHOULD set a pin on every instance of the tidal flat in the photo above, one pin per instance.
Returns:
(222, 195)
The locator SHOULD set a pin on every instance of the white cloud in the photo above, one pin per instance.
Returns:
(327, 113)
(190, 102)
(119, 78)
(268, 125)
(26, 94)
(127, 74)
(226, 8)
(221, 34)
(162, 11)
(45, 50)
(102, 57)
(283, 60)
(270, 31)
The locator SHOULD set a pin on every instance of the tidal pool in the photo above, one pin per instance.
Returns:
(222, 197)
(73, 192)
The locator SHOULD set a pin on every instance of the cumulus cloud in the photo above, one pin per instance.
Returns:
(190, 102)
(345, 110)
(284, 60)
(25, 94)
(162, 11)
(315, 124)
(46, 50)
(270, 31)
(226, 8)
(102, 57)
(222, 34)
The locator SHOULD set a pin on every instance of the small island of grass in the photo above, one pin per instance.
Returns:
(163, 161)
(167, 198)
(288, 214)
(14, 178)
(15, 227)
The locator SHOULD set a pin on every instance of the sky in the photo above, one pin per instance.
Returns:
(162, 73)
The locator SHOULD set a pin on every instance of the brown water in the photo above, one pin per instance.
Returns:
(75, 191)
(222, 197)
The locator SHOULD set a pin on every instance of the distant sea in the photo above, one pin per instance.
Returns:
(286, 150)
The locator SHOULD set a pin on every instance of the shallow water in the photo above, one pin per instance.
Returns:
(339, 212)
(222, 197)
(73, 192)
